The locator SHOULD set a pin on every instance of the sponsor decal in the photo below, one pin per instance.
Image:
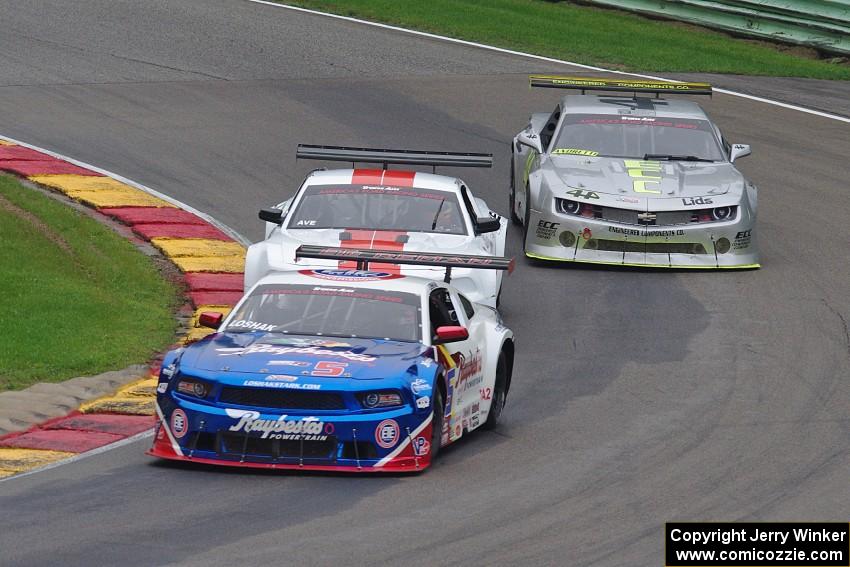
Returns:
(254, 326)
(420, 385)
(281, 378)
(349, 275)
(168, 371)
(470, 371)
(689, 201)
(476, 407)
(426, 362)
(298, 363)
(306, 223)
(423, 402)
(574, 152)
(646, 175)
(546, 230)
(467, 411)
(306, 429)
(587, 234)
(634, 232)
(281, 385)
(162, 387)
(578, 193)
(474, 421)
(421, 446)
(387, 433)
(264, 348)
(179, 423)
(742, 240)
(628, 200)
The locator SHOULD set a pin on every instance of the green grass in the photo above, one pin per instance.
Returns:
(586, 35)
(77, 298)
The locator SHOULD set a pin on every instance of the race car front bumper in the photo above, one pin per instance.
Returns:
(555, 236)
(386, 441)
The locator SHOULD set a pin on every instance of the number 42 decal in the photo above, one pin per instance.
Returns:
(486, 393)
(327, 368)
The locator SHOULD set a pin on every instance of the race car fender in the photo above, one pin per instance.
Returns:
(258, 259)
(168, 368)
(267, 256)
(502, 339)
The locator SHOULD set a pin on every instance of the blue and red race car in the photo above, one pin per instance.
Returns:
(362, 370)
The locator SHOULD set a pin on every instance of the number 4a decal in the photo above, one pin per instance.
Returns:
(327, 368)
(583, 194)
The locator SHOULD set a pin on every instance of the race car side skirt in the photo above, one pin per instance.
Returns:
(634, 265)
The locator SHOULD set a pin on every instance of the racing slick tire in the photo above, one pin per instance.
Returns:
(437, 422)
(500, 393)
(514, 218)
(525, 221)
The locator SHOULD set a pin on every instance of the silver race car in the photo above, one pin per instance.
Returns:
(382, 209)
(623, 179)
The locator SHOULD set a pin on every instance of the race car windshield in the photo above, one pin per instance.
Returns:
(330, 311)
(368, 207)
(607, 135)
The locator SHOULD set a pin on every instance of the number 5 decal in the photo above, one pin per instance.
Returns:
(327, 368)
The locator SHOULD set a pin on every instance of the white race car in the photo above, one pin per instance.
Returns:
(381, 209)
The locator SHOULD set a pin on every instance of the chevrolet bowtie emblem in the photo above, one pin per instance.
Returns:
(647, 216)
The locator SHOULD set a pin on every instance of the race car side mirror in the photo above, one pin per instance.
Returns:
(210, 319)
(271, 215)
(528, 138)
(487, 224)
(739, 151)
(451, 334)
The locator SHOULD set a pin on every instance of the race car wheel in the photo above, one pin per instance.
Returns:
(499, 392)
(514, 218)
(437, 422)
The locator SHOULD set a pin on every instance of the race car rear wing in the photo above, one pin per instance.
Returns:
(364, 257)
(618, 85)
(387, 157)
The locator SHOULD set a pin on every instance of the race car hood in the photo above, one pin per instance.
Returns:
(272, 353)
(632, 179)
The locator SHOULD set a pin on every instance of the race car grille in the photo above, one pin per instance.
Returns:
(282, 399)
(645, 247)
(625, 216)
(240, 444)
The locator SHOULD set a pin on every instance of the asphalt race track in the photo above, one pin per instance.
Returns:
(638, 397)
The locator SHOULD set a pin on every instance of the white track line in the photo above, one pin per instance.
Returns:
(215, 222)
(132, 439)
(542, 58)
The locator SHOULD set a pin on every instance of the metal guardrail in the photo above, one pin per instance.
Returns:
(823, 24)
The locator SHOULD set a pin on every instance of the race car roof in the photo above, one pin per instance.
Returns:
(388, 177)
(341, 277)
(617, 104)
